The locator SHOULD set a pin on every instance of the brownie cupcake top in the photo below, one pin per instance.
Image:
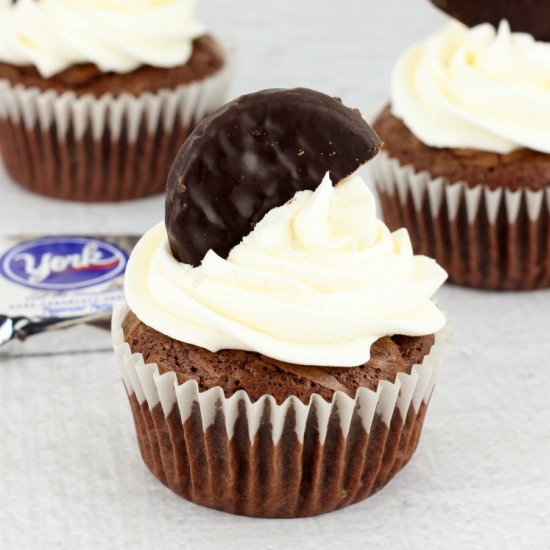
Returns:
(114, 35)
(316, 281)
(476, 88)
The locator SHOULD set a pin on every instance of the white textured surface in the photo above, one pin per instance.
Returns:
(70, 471)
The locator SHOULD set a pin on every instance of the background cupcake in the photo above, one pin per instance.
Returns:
(97, 98)
(287, 375)
(466, 166)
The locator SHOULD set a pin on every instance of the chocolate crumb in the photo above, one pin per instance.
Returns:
(180, 187)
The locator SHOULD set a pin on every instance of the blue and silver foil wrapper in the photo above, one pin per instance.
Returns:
(57, 293)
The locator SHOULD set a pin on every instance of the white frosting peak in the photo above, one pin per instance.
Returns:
(116, 35)
(476, 88)
(317, 282)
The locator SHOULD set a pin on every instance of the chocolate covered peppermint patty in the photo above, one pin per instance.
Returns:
(253, 155)
(530, 16)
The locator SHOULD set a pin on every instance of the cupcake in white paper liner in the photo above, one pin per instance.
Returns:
(280, 344)
(467, 169)
(274, 460)
(106, 148)
(484, 236)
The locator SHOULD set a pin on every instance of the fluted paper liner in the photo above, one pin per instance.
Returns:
(101, 149)
(268, 460)
(493, 239)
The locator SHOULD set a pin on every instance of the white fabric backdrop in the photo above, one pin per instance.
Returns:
(70, 471)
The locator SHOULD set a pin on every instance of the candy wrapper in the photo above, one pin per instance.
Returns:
(66, 284)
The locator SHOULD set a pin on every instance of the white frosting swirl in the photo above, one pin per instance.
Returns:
(476, 88)
(115, 35)
(317, 282)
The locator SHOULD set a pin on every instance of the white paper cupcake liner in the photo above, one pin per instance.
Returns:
(485, 238)
(269, 460)
(101, 149)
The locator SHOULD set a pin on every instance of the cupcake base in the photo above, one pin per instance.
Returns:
(268, 460)
(86, 169)
(487, 238)
(260, 479)
(484, 217)
(97, 148)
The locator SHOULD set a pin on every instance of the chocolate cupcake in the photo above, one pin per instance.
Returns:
(95, 102)
(280, 346)
(466, 162)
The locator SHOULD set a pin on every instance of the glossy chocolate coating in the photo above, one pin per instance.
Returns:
(530, 16)
(253, 155)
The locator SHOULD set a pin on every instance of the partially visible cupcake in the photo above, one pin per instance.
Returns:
(466, 165)
(281, 345)
(97, 98)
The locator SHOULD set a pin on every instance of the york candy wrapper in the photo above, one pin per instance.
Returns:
(57, 293)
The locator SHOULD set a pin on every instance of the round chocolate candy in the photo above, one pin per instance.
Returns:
(530, 16)
(253, 155)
